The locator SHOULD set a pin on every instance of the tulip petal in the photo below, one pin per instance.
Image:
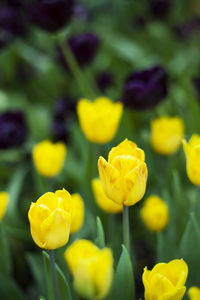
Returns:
(54, 231)
(178, 272)
(161, 285)
(110, 179)
(176, 294)
(64, 200)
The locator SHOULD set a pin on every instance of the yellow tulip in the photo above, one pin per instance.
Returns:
(77, 213)
(192, 153)
(102, 200)
(99, 120)
(49, 157)
(165, 281)
(91, 267)
(194, 293)
(155, 213)
(50, 219)
(124, 176)
(4, 197)
(166, 134)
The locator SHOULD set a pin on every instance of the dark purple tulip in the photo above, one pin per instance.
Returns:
(160, 8)
(50, 15)
(13, 130)
(60, 130)
(64, 107)
(84, 47)
(196, 82)
(105, 80)
(145, 89)
(187, 29)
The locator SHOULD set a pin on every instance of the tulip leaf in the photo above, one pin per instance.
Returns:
(123, 286)
(65, 292)
(5, 260)
(100, 239)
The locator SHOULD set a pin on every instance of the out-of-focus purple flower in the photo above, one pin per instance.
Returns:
(60, 130)
(105, 80)
(84, 47)
(13, 129)
(145, 89)
(196, 82)
(160, 8)
(80, 12)
(50, 15)
(188, 28)
(64, 107)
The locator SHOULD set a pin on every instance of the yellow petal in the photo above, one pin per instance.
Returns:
(55, 229)
(176, 294)
(3, 203)
(77, 213)
(110, 179)
(178, 272)
(194, 293)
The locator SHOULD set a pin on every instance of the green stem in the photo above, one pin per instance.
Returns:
(126, 228)
(76, 71)
(54, 275)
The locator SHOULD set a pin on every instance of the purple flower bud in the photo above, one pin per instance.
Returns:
(196, 82)
(84, 47)
(160, 8)
(187, 29)
(50, 15)
(60, 130)
(13, 130)
(145, 89)
(105, 80)
(64, 107)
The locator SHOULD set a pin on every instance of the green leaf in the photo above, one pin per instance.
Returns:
(124, 285)
(190, 248)
(100, 239)
(65, 292)
(5, 259)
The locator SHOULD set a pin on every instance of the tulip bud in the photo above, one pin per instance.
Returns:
(124, 176)
(4, 197)
(91, 268)
(166, 134)
(50, 219)
(99, 120)
(165, 280)
(102, 200)
(77, 213)
(192, 153)
(49, 158)
(154, 213)
(194, 293)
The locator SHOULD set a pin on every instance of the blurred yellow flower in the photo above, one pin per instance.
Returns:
(124, 176)
(91, 268)
(165, 281)
(194, 293)
(50, 219)
(77, 213)
(4, 197)
(166, 134)
(102, 200)
(192, 153)
(49, 157)
(155, 213)
(99, 120)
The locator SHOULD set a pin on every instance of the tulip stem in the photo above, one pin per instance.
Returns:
(76, 71)
(54, 275)
(126, 228)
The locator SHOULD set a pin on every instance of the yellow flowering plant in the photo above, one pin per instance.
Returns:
(4, 198)
(166, 281)
(91, 267)
(49, 157)
(166, 134)
(99, 120)
(194, 293)
(77, 215)
(154, 213)
(192, 153)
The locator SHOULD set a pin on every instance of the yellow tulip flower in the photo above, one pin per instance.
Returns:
(99, 120)
(194, 293)
(77, 213)
(124, 176)
(165, 281)
(192, 153)
(50, 219)
(91, 267)
(166, 134)
(155, 213)
(4, 197)
(49, 157)
(102, 200)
